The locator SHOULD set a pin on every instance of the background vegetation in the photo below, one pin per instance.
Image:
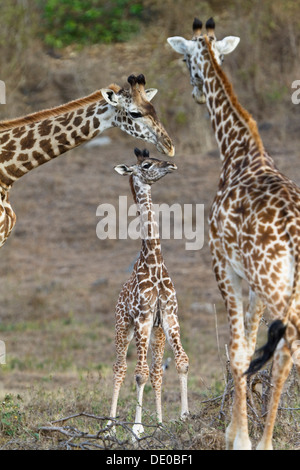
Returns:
(89, 21)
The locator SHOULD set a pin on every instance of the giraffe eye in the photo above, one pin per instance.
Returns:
(147, 165)
(136, 115)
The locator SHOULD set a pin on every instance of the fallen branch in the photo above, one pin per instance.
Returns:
(156, 437)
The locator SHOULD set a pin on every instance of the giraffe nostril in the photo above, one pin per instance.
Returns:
(170, 147)
(166, 146)
(172, 151)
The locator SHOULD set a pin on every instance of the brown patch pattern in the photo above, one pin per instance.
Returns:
(254, 236)
(147, 310)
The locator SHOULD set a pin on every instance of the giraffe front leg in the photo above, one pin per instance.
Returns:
(123, 336)
(157, 345)
(142, 336)
(171, 328)
(237, 435)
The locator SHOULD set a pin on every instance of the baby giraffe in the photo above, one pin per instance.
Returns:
(147, 305)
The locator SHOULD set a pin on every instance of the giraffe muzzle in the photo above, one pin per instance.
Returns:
(165, 145)
(198, 96)
(171, 167)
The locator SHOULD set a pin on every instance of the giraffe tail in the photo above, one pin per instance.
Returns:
(263, 355)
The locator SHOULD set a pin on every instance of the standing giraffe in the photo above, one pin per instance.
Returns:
(147, 305)
(254, 232)
(30, 141)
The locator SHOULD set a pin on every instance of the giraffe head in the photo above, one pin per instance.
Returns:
(147, 169)
(136, 115)
(195, 53)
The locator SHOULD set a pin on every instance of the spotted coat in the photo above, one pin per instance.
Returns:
(147, 306)
(30, 141)
(254, 228)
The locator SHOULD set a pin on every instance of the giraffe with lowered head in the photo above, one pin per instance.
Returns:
(30, 141)
(254, 233)
(147, 305)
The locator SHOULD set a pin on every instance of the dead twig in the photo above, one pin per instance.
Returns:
(158, 436)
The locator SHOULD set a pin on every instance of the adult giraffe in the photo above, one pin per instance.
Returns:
(254, 232)
(30, 141)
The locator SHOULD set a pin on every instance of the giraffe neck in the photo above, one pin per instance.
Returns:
(151, 247)
(235, 130)
(33, 141)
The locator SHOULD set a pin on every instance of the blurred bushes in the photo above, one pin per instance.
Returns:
(89, 21)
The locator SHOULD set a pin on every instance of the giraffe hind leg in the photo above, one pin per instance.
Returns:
(157, 346)
(171, 329)
(142, 332)
(123, 336)
(281, 368)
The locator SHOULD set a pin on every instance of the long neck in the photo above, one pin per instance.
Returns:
(235, 130)
(151, 248)
(29, 142)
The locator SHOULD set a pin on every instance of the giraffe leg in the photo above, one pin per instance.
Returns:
(293, 333)
(295, 351)
(123, 336)
(253, 316)
(157, 345)
(142, 335)
(237, 435)
(281, 367)
(230, 285)
(171, 328)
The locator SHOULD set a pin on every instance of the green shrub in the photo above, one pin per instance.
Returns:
(89, 21)
(10, 416)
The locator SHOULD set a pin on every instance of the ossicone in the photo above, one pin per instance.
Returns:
(141, 79)
(210, 27)
(210, 24)
(133, 80)
(139, 153)
(197, 26)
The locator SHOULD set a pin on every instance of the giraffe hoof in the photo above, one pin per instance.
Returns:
(138, 430)
(184, 415)
(110, 430)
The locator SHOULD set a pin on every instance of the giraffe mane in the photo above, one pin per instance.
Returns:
(249, 121)
(132, 189)
(56, 111)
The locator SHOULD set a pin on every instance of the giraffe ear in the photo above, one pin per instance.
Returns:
(179, 44)
(150, 93)
(227, 45)
(123, 169)
(110, 96)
